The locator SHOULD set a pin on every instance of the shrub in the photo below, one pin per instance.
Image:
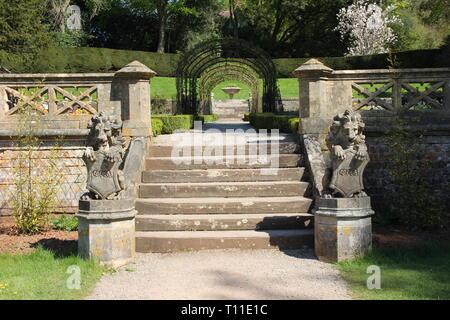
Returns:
(64, 222)
(293, 124)
(287, 123)
(36, 172)
(204, 118)
(172, 123)
(157, 125)
(246, 116)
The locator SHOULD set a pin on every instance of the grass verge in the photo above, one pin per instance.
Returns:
(42, 275)
(418, 272)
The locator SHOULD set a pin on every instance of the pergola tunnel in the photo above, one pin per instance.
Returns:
(215, 61)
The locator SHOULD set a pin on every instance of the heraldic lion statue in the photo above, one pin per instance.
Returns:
(349, 156)
(104, 155)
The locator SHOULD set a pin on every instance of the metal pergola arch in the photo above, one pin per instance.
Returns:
(221, 55)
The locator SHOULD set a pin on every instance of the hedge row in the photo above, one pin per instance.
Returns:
(171, 123)
(287, 123)
(157, 126)
(437, 58)
(74, 60)
(166, 123)
(207, 118)
(65, 60)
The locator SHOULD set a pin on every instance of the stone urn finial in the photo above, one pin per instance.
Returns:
(231, 91)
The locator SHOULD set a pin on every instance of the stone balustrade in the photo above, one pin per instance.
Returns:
(378, 93)
(66, 102)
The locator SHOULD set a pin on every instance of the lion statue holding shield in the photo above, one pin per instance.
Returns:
(349, 155)
(104, 154)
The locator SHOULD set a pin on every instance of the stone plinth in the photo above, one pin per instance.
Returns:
(106, 231)
(342, 228)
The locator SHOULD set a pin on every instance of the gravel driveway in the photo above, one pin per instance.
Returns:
(224, 274)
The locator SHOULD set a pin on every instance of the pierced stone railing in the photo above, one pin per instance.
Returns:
(381, 93)
(67, 101)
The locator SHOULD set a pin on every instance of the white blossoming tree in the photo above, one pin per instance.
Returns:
(367, 26)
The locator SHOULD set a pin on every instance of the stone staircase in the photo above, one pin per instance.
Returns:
(195, 206)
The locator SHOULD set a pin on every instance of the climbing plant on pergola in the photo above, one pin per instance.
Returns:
(214, 61)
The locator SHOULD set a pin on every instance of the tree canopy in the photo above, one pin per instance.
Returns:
(284, 28)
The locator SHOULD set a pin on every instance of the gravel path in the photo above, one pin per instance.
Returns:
(224, 274)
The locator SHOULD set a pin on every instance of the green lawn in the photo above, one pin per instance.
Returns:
(165, 88)
(407, 273)
(43, 275)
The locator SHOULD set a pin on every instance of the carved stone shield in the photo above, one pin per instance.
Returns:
(103, 176)
(347, 174)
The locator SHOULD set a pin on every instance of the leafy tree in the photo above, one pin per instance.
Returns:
(368, 27)
(22, 29)
(164, 9)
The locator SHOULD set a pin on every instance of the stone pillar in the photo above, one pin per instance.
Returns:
(342, 228)
(106, 231)
(134, 81)
(314, 96)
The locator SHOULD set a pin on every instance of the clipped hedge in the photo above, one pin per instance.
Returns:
(157, 126)
(171, 123)
(204, 118)
(88, 59)
(287, 123)
(406, 59)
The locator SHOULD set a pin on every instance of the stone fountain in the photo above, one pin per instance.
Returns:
(231, 91)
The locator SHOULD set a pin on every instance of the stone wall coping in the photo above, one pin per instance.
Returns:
(109, 216)
(85, 77)
(370, 74)
(49, 132)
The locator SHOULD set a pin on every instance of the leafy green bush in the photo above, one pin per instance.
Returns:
(172, 123)
(36, 179)
(293, 124)
(64, 222)
(246, 116)
(157, 126)
(204, 118)
(287, 123)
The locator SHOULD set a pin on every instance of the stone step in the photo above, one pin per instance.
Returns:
(207, 222)
(171, 241)
(222, 162)
(223, 189)
(155, 151)
(222, 175)
(223, 205)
